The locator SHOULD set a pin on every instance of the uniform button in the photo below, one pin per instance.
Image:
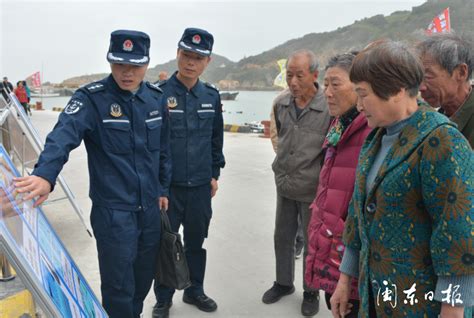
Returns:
(139, 207)
(133, 99)
(189, 182)
(292, 152)
(371, 207)
(287, 176)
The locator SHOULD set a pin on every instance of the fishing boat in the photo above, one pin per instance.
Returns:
(45, 95)
(44, 92)
(255, 126)
(228, 95)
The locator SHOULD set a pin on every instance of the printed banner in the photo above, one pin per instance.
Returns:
(440, 24)
(280, 80)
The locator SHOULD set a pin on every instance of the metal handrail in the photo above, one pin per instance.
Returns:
(24, 122)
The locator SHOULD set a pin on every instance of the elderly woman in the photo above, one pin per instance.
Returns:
(409, 232)
(346, 135)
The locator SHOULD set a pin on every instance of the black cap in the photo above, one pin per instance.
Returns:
(129, 47)
(197, 40)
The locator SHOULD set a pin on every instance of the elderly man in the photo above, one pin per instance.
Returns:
(162, 76)
(302, 120)
(448, 63)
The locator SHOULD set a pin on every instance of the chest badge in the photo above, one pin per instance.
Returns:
(115, 110)
(172, 102)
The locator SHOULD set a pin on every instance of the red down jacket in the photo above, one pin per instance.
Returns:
(329, 208)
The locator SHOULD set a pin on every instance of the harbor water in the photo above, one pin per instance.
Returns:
(249, 106)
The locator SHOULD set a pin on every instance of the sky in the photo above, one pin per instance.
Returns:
(63, 39)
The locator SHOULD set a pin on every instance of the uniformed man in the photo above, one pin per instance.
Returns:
(196, 148)
(125, 128)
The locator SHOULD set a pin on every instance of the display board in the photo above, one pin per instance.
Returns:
(46, 258)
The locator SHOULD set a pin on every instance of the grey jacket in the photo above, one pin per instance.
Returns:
(299, 151)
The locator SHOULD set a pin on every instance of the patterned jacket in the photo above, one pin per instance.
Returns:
(416, 223)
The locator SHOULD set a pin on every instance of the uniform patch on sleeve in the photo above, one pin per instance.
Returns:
(73, 106)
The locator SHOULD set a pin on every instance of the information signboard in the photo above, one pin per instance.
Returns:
(47, 259)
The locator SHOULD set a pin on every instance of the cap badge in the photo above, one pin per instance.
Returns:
(196, 39)
(127, 45)
(115, 110)
(172, 102)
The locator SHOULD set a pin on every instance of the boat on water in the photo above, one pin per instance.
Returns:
(44, 92)
(45, 95)
(228, 95)
(255, 126)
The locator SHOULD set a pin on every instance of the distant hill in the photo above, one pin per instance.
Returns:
(257, 72)
(217, 70)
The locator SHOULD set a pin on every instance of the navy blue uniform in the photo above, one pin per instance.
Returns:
(127, 140)
(196, 147)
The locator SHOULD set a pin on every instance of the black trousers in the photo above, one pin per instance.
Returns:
(191, 208)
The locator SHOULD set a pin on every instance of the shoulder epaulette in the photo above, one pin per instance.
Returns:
(211, 86)
(161, 83)
(154, 87)
(95, 87)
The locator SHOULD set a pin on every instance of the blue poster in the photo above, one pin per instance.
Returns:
(44, 252)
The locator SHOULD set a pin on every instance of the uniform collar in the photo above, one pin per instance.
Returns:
(196, 90)
(126, 95)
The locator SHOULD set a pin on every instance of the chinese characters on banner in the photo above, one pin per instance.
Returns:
(440, 24)
(43, 256)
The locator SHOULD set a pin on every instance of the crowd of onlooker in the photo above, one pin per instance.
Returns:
(21, 91)
(378, 163)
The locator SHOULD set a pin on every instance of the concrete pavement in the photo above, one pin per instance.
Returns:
(241, 262)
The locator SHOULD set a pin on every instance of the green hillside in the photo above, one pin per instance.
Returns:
(400, 25)
(257, 72)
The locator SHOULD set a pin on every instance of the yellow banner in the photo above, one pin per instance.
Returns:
(280, 79)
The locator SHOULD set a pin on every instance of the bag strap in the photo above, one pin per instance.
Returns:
(165, 221)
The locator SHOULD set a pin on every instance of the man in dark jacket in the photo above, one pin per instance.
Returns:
(197, 135)
(7, 84)
(125, 128)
